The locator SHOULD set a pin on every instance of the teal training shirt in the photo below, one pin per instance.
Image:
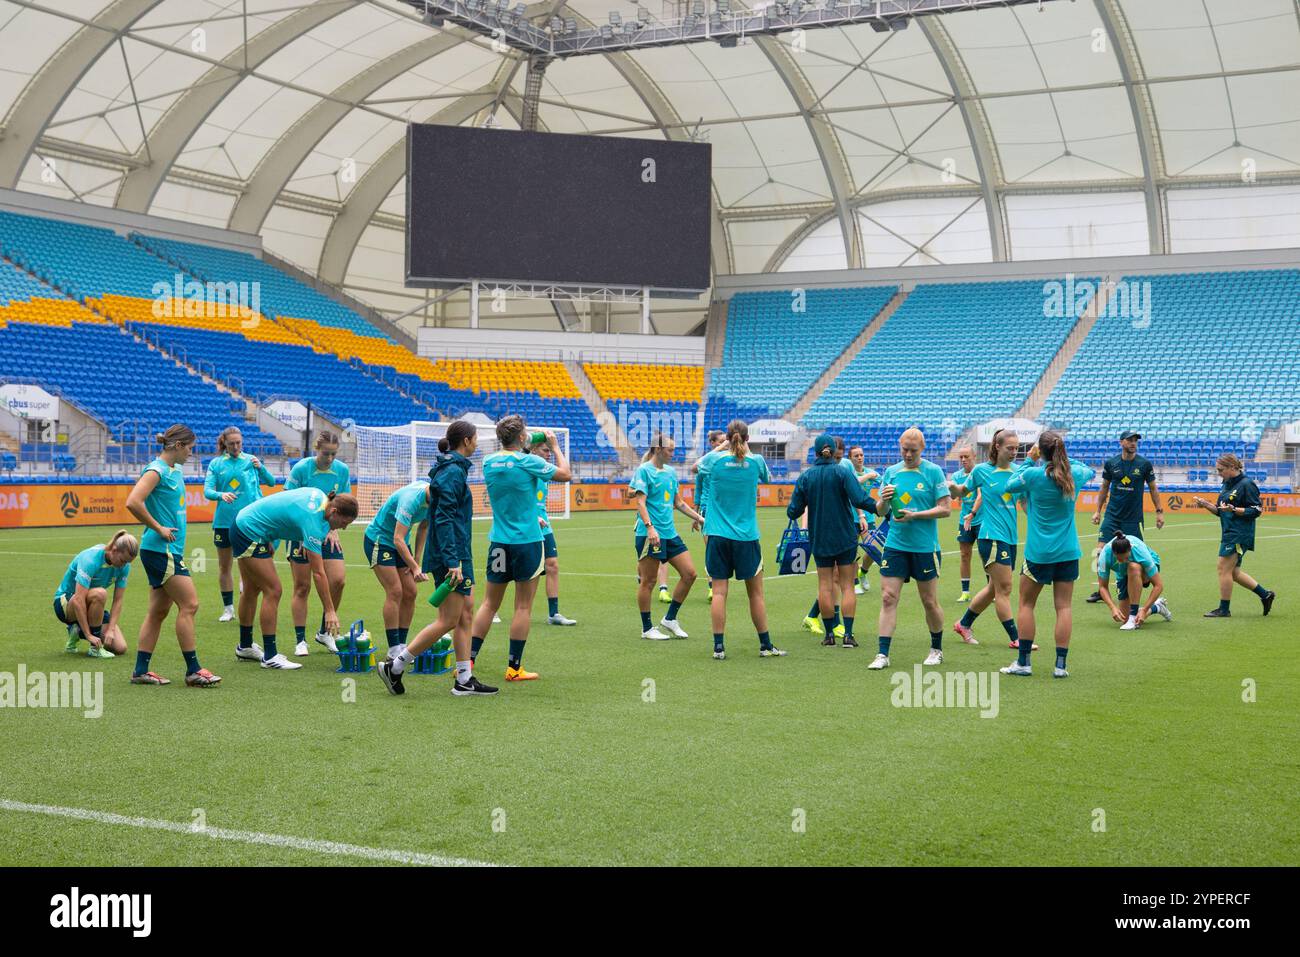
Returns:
(90, 569)
(296, 515)
(234, 474)
(1051, 535)
(408, 506)
(304, 474)
(959, 477)
(659, 486)
(1142, 554)
(166, 503)
(513, 480)
(918, 490)
(733, 494)
(543, 492)
(997, 515)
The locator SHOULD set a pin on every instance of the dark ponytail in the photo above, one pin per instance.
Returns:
(1120, 545)
(345, 505)
(1058, 462)
(457, 433)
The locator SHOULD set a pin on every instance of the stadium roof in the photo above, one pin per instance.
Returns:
(948, 141)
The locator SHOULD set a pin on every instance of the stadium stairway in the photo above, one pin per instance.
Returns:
(618, 439)
(797, 411)
(1033, 406)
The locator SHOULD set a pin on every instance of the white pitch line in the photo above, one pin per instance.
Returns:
(246, 837)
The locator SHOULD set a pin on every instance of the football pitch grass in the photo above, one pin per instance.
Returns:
(631, 752)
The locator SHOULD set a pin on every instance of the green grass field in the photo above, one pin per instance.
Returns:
(1150, 731)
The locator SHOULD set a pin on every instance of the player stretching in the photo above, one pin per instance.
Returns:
(325, 472)
(732, 543)
(448, 556)
(656, 493)
(158, 502)
(1238, 506)
(1051, 546)
(1141, 566)
(916, 493)
(515, 550)
(82, 594)
(717, 439)
(998, 532)
(968, 532)
(234, 480)
(1120, 499)
(550, 552)
(390, 556)
(305, 515)
(832, 498)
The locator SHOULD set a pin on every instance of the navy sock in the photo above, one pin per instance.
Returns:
(646, 623)
(717, 640)
(474, 645)
(936, 640)
(268, 646)
(227, 598)
(968, 618)
(1260, 590)
(97, 631)
(1224, 604)
(1026, 646)
(553, 605)
(391, 636)
(884, 641)
(402, 634)
(673, 607)
(299, 632)
(191, 661)
(828, 624)
(245, 636)
(1060, 656)
(764, 640)
(1132, 610)
(1012, 632)
(516, 653)
(816, 610)
(848, 627)
(837, 615)
(965, 584)
(142, 661)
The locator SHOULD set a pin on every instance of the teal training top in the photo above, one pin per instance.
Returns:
(1142, 554)
(513, 480)
(234, 474)
(90, 569)
(543, 491)
(304, 474)
(659, 486)
(968, 501)
(166, 503)
(997, 514)
(408, 506)
(733, 494)
(297, 515)
(1051, 536)
(919, 490)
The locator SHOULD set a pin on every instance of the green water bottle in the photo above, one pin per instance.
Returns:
(537, 438)
(895, 506)
(440, 593)
(441, 645)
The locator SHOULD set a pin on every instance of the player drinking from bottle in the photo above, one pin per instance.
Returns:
(656, 494)
(321, 471)
(82, 594)
(915, 491)
(1051, 546)
(515, 549)
(449, 558)
(234, 480)
(158, 502)
(733, 474)
(390, 556)
(831, 497)
(1133, 559)
(305, 515)
(1237, 507)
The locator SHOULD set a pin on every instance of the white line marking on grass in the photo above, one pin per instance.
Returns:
(310, 845)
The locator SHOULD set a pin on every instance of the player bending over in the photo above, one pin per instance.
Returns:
(80, 598)
(1135, 560)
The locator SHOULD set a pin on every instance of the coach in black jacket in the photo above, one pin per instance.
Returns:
(830, 494)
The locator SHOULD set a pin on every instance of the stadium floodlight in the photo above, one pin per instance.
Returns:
(697, 8)
(607, 32)
(571, 25)
(615, 18)
(520, 10)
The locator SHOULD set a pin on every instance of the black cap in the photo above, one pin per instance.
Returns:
(1129, 434)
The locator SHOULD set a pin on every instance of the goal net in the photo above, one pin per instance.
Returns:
(389, 457)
